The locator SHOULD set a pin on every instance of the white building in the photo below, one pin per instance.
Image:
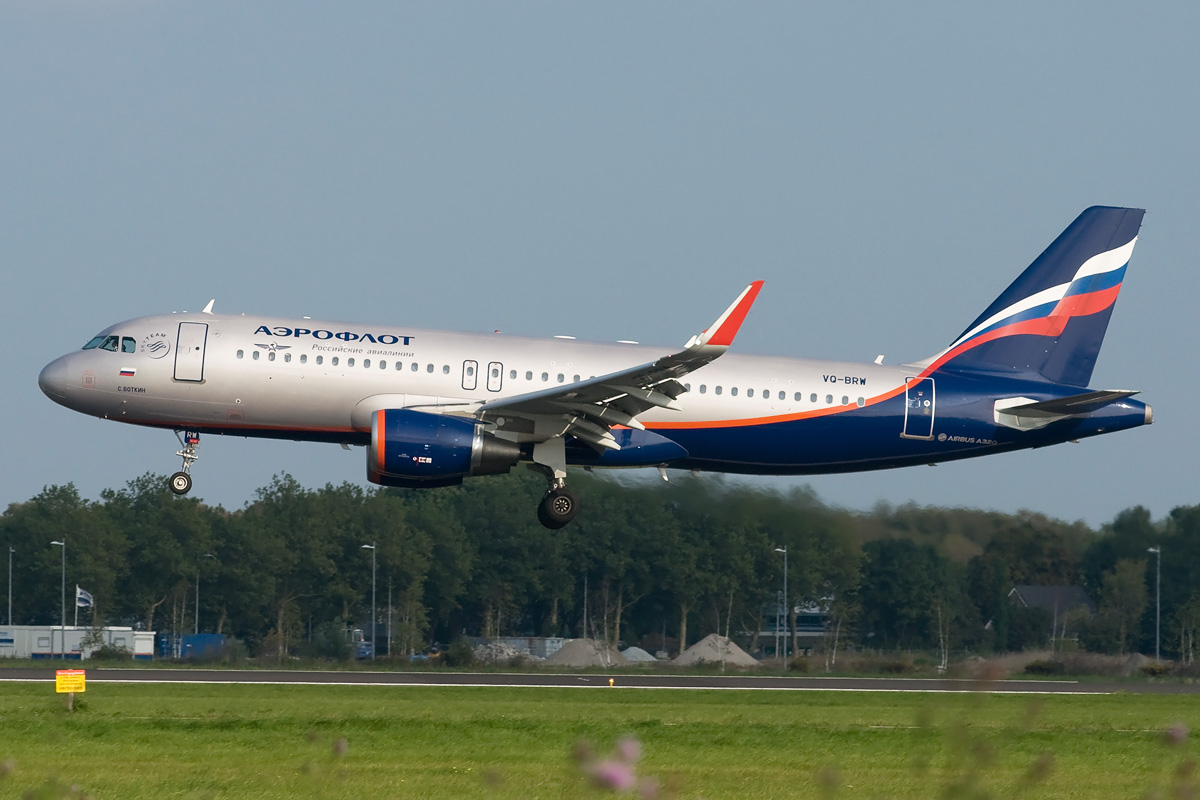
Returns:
(52, 641)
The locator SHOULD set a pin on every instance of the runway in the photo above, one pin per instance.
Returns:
(591, 680)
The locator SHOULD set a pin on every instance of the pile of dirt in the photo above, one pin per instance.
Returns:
(715, 649)
(638, 656)
(587, 653)
(501, 653)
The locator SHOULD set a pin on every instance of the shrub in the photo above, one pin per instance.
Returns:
(460, 654)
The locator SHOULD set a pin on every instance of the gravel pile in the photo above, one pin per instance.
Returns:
(713, 649)
(638, 656)
(587, 653)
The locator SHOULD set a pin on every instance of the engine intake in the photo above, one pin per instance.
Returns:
(417, 449)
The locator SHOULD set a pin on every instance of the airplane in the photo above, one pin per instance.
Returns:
(434, 407)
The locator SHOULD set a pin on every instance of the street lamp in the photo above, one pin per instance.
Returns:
(62, 614)
(787, 616)
(10, 555)
(1157, 598)
(371, 547)
(206, 555)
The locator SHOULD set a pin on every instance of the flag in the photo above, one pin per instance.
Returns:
(128, 372)
(82, 599)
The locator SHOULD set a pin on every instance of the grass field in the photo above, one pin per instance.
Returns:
(234, 741)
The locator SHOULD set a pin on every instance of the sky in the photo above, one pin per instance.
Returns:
(609, 171)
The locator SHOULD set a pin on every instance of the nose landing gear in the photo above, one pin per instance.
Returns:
(181, 482)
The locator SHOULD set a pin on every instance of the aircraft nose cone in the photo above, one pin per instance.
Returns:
(53, 380)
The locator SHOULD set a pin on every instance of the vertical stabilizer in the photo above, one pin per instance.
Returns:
(1049, 324)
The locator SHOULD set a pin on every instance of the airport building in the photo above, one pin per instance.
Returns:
(72, 642)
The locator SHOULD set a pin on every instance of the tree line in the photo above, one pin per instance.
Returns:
(652, 563)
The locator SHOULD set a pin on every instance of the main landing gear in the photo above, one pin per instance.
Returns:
(181, 482)
(560, 505)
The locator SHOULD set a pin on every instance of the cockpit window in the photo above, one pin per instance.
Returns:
(113, 344)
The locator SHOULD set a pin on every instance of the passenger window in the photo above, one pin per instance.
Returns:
(576, 379)
(829, 399)
(382, 364)
(528, 375)
(320, 360)
(812, 398)
(470, 371)
(717, 390)
(797, 397)
(349, 362)
(749, 393)
(687, 387)
(303, 358)
(861, 402)
(445, 369)
(560, 377)
(254, 355)
(703, 388)
(767, 393)
(429, 368)
(545, 377)
(240, 354)
(287, 357)
(845, 400)
(366, 363)
(415, 366)
(733, 392)
(128, 345)
(270, 356)
(333, 361)
(783, 395)
(512, 373)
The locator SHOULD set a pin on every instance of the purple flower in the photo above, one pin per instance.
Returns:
(613, 775)
(629, 750)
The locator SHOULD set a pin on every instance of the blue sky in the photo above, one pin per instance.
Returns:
(607, 171)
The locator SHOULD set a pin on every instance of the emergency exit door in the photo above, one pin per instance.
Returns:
(919, 408)
(189, 351)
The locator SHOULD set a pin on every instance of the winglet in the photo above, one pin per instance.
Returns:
(721, 332)
(208, 308)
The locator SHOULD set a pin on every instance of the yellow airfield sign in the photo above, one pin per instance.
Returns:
(69, 680)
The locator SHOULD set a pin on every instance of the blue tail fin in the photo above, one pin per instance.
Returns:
(1049, 324)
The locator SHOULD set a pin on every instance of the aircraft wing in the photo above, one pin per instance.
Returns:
(589, 409)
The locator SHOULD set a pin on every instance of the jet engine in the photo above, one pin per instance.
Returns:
(415, 449)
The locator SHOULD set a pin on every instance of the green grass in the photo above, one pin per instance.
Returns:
(232, 741)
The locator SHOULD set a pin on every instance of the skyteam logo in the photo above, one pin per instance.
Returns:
(342, 336)
(155, 345)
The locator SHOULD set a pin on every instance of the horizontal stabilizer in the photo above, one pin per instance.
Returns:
(1025, 414)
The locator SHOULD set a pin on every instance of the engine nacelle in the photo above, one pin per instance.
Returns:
(417, 449)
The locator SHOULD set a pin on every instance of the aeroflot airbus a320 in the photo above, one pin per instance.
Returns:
(434, 407)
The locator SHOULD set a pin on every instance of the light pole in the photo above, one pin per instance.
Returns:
(62, 614)
(206, 555)
(1157, 598)
(10, 555)
(787, 616)
(371, 547)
